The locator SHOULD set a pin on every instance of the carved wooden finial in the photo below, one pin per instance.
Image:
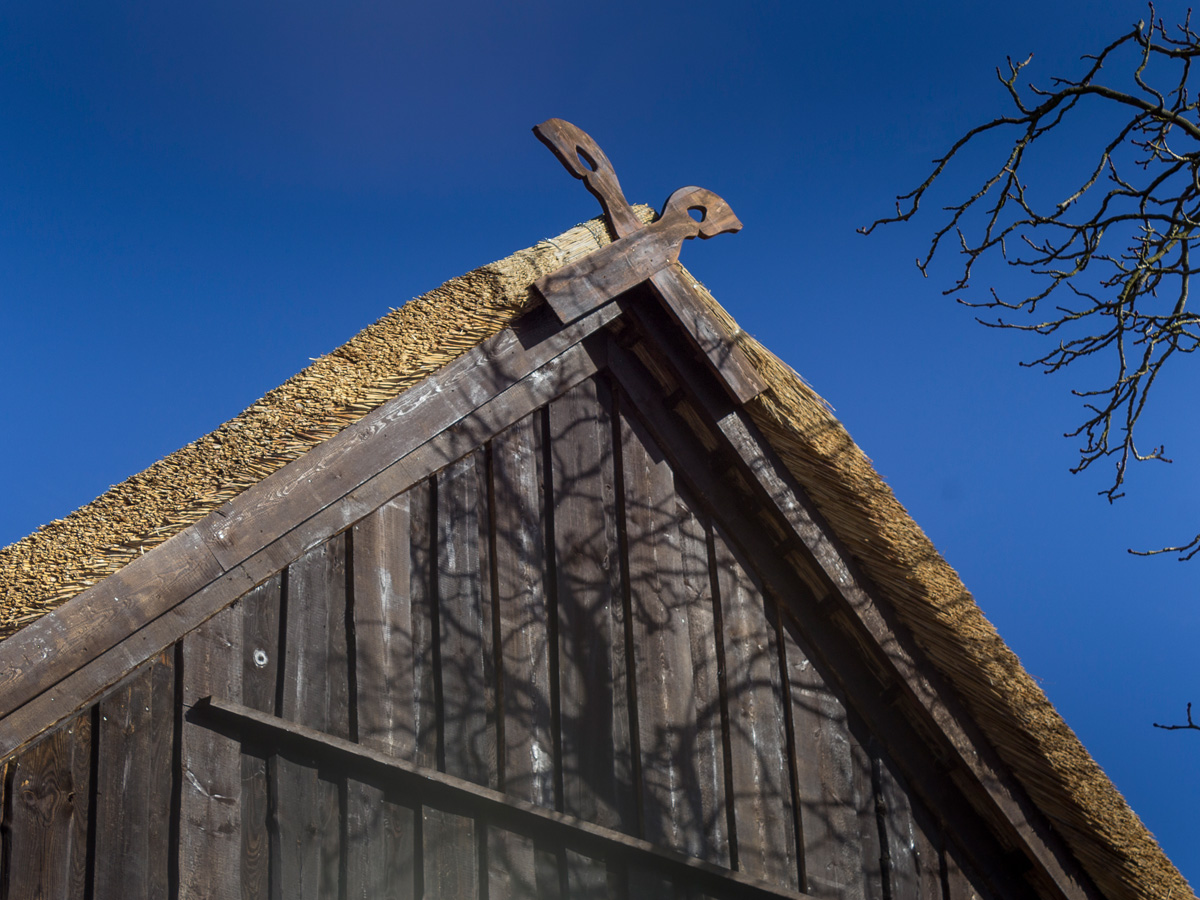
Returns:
(640, 250)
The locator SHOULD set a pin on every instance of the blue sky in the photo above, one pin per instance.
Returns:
(196, 199)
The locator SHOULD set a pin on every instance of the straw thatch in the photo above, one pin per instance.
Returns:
(43, 570)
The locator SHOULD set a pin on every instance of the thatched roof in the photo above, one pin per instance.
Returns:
(61, 559)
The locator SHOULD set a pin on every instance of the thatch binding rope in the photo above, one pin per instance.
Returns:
(66, 556)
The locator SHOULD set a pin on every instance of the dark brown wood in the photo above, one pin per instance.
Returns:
(833, 862)
(133, 785)
(588, 283)
(465, 621)
(523, 692)
(47, 826)
(762, 793)
(867, 810)
(596, 746)
(451, 856)
(315, 694)
(679, 723)
(380, 831)
(260, 674)
(210, 821)
(994, 793)
(584, 159)
(89, 643)
(712, 484)
(719, 349)
(454, 795)
(913, 861)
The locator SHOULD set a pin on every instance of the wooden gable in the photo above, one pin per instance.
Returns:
(556, 622)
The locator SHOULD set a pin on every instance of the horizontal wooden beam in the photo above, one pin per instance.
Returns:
(429, 787)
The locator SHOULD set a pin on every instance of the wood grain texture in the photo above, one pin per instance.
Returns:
(762, 794)
(455, 795)
(93, 640)
(913, 863)
(260, 677)
(682, 766)
(833, 860)
(596, 751)
(524, 691)
(133, 784)
(465, 620)
(380, 831)
(718, 348)
(210, 838)
(47, 821)
(306, 851)
(451, 856)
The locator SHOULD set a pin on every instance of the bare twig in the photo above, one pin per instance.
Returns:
(1116, 253)
(1190, 726)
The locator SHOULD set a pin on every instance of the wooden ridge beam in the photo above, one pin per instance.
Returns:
(439, 790)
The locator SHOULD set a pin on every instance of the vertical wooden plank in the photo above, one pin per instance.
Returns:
(133, 784)
(587, 878)
(914, 868)
(464, 621)
(210, 839)
(674, 650)
(762, 793)
(866, 811)
(833, 860)
(451, 856)
(306, 808)
(260, 674)
(596, 746)
(379, 832)
(523, 692)
(422, 566)
(50, 789)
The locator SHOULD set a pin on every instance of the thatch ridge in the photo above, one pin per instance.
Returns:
(61, 559)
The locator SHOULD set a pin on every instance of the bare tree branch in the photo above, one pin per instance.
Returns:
(1190, 726)
(1116, 253)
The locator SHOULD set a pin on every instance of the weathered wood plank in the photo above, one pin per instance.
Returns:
(718, 349)
(210, 838)
(316, 694)
(524, 692)
(677, 692)
(451, 856)
(423, 599)
(762, 794)
(379, 844)
(465, 621)
(132, 615)
(383, 627)
(133, 785)
(833, 863)
(596, 751)
(587, 877)
(442, 791)
(260, 678)
(47, 825)
(380, 831)
(962, 883)
(994, 792)
(913, 869)
(864, 756)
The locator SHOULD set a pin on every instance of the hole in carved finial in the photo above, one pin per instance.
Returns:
(588, 162)
(698, 213)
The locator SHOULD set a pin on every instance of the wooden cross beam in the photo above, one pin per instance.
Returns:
(644, 253)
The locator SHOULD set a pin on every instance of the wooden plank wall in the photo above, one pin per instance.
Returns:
(552, 615)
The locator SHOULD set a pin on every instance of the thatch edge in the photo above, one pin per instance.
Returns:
(61, 559)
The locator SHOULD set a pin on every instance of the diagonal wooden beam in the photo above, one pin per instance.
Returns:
(71, 655)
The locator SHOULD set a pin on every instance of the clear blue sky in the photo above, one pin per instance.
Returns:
(197, 198)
